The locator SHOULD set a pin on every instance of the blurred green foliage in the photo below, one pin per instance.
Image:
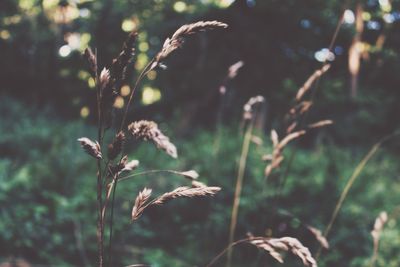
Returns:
(48, 198)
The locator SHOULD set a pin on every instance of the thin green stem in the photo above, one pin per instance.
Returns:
(151, 172)
(238, 188)
(356, 173)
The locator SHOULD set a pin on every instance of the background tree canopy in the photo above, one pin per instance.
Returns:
(47, 101)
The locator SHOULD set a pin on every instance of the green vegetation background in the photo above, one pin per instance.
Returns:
(47, 195)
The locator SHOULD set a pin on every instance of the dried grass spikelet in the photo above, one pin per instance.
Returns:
(310, 81)
(275, 245)
(248, 108)
(192, 174)
(90, 147)
(91, 59)
(142, 200)
(148, 130)
(185, 191)
(131, 165)
(234, 68)
(123, 165)
(115, 170)
(197, 184)
(378, 227)
(300, 108)
(116, 146)
(120, 64)
(178, 38)
(141, 203)
(276, 157)
(320, 124)
(231, 74)
(104, 78)
(318, 236)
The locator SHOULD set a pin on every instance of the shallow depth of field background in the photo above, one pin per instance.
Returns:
(47, 101)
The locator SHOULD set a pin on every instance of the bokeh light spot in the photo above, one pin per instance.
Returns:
(85, 111)
(4, 34)
(125, 90)
(91, 83)
(128, 25)
(180, 6)
(119, 102)
(349, 17)
(150, 95)
(64, 51)
(152, 75)
(143, 46)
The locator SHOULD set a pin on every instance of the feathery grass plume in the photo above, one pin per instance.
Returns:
(141, 203)
(310, 81)
(114, 170)
(320, 124)
(276, 157)
(318, 236)
(123, 166)
(120, 64)
(197, 184)
(90, 147)
(130, 166)
(104, 78)
(274, 245)
(248, 108)
(234, 68)
(193, 175)
(231, 74)
(300, 108)
(116, 146)
(376, 233)
(178, 38)
(185, 191)
(91, 59)
(148, 130)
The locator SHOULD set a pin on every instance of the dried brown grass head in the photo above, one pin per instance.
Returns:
(276, 157)
(115, 148)
(189, 192)
(310, 81)
(120, 64)
(92, 60)
(90, 147)
(140, 203)
(142, 200)
(274, 246)
(378, 226)
(178, 38)
(249, 107)
(148, 130)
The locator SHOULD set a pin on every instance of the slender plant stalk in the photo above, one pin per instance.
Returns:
(144, 72)
(356, 173)
(227, 249)
(238, 188)
(111, 224)
(148, 172)
(100, 225)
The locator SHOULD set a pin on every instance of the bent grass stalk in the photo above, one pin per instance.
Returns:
(285, 175)
(356, 173)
